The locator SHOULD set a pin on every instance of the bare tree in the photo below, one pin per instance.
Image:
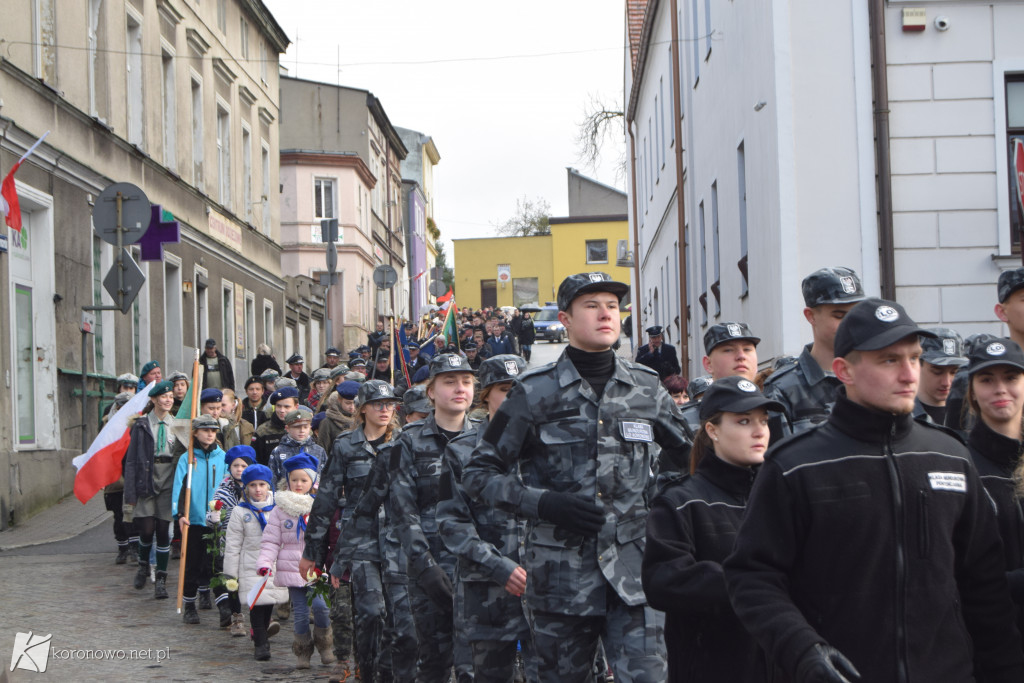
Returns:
(603, 123)
(531, 219)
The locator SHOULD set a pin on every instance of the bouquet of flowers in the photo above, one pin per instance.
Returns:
(215, 543)
(320, 582)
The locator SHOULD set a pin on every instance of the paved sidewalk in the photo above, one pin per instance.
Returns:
(66, 519)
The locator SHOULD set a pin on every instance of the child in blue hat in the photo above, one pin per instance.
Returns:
(229, 493)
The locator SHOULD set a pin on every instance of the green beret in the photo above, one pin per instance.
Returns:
(161, 388)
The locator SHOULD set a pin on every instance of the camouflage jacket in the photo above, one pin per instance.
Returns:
(486, 541)
(553, 434)
(347, 472)
(365, 523)
(289, 447)
(807, 393)
(415, 464)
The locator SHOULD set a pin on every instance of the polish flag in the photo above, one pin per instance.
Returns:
(9, 205)
(101, 465)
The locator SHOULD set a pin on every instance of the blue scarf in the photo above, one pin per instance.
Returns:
(260, 517)
(300, 528)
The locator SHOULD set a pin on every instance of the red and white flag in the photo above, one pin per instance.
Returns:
(9, 194)
(101, 465)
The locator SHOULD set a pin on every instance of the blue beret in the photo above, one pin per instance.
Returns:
(148, 368)
(301, 461)
(348, 389)
(283, 392)
(162, 388)
(244, 452)
(211, 395)
(257, 473)
(421, 375)
(317, 419)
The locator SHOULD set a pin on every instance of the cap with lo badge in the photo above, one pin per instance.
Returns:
(874, 324)
(734, 395)
(997, 351)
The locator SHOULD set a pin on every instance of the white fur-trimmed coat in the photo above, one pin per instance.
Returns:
(241, 555)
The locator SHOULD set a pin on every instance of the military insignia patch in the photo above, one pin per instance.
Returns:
(848, 285)
(734, 330)
(887, 314)
(511, 367)
(949, 347)
(454, 361)
(597, 277)
(384, 390)
(746, 385)
(995, 349)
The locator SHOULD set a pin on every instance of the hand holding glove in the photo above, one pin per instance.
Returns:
(825, 664)
(571, 511)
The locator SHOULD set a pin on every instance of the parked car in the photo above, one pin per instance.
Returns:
(547, 325)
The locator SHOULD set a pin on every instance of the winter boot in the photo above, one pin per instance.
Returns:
(122, 555)
(302, 647)
(237, 626)
(343, 672)
(262, 652)
(273, 628)
(225, 613)
(205, 602)
(160, 586)
(176, 549)
(284, 610)
(141, 576)
(189, 615)
(133, 553)
(323, 638)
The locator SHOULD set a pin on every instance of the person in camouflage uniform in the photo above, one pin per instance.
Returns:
(807, 388)
(352, 458)
(490, 579)
(572, 450)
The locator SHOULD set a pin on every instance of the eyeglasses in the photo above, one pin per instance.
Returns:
(381, 406)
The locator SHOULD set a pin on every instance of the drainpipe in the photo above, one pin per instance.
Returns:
(634, 318)
(880, 88)
(677, 110)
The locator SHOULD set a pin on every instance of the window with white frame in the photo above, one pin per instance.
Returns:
(227, 314)
(268, 322)
(44, 24)
(265, 197)
(741, 169)
(716, 286)
(1014, 132)
(202, 308)
(169, 110)
(323, 198)
(222, 15)
(197, 133)
(264, 59)
(97, 61)
(244, 37)
(247, 174)
(133, 66)
(250, 325)
(224, 155)
(597, 251)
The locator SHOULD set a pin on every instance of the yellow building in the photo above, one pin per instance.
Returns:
(515, 271)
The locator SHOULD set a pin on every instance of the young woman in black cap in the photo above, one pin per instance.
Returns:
(691, 529)
(995, 396)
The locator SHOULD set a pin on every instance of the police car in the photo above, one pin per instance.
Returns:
(546, 324)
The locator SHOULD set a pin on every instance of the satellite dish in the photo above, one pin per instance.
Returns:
(385, 276)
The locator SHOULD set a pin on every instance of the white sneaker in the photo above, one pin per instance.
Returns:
(152, 574)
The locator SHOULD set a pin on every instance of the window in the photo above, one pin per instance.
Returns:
(268, 323)
(525, 290)
(227, 314)
(265, 198)
(597, 251)
(197, 133)
(24, 352)
(202, 310)
(222, 15)
(170, 125)
(659, 137)
(224, 155)
(323, 198)
(703, 267)
(264, 58)
(44, 24)
(741, 167)
(97, 62)
(652, 157)
(244, 37)
(172, 314)
(672, 127)
(133, 64)
(250, 325)
(716, 286)
(1014, 132)
(247, 174)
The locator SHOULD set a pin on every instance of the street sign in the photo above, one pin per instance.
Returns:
(329, 230)
(1018, 167)
(136, 214)
(332, 257)
(437, 288)
(132, 281)
(384, 276)
(88, 322)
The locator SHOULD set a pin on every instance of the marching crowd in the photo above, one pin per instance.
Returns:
(436, 510)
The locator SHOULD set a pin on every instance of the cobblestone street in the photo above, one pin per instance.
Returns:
(73, 590)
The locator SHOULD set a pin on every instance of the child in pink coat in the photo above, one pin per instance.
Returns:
(283, 542)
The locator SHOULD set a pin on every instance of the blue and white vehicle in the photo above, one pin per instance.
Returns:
(547, 325)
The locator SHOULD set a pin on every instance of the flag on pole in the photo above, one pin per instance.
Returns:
(9, 193)
(446, 296)
(402, 352)
(450, 331)
(101, 465)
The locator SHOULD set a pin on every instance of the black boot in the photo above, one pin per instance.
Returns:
(225, 613)
(262, 647)
(204, 600)
(141, 576)
(122, 555)
(133, 552)
(160, 586)
(189, 615)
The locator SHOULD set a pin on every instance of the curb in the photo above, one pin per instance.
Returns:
(63, 537)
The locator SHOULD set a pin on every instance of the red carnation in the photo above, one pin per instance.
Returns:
(218, 505)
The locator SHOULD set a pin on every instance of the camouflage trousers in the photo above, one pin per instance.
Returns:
(368, 601)
(398, 646)
(440, 645)
(341, 621)
(633, 638)
(494, 661)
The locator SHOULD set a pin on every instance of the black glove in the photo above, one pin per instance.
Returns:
(435, 583)
(825, 664)
(571, 511)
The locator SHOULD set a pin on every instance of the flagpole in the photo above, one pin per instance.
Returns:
(393, 348)
(188, 482)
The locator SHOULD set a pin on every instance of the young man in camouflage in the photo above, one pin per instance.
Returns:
(808, 387)
(571, 450)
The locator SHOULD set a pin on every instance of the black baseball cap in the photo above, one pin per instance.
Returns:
(998, 351)
(946, 348)
(734, 395)
(874, 324)
(723, 332)
(505, 367)
(837, 285)
(210, 343)
(1009, 282)
(581, 283)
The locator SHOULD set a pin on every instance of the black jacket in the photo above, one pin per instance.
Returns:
(268, 436)
(254, 415)
(691, 529)
(227, 373)
(996, 457)
(527, 333)
(873, 533)
(662, 360)
(262, 363)
(302, 383)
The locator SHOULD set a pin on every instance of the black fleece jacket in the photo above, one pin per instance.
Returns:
(873, 533)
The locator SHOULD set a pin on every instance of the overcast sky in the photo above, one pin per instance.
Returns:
(500, 87)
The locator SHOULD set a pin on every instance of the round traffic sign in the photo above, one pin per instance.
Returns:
(385, 276)
(136, 213)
